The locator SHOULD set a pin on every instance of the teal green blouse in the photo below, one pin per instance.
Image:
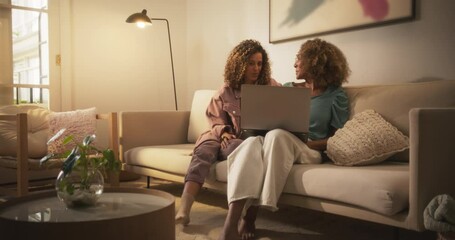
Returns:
(330, 109)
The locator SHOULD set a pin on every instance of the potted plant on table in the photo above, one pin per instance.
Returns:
(81, 179)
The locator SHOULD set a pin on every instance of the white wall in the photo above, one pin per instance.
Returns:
(116, 66)
(403, 52)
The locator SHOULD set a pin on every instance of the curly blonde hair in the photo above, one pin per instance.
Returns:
(323, 63)
(237, 62)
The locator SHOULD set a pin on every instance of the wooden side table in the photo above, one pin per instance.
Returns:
(121, 213)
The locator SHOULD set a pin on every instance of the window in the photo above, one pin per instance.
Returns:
(24, 51)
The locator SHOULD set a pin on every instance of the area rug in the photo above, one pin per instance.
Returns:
(288, 223)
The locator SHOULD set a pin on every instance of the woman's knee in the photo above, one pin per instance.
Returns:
(207, 151)
(257, 140)
(277, 133)
(279, 138)
(233, 144)
(248, 145)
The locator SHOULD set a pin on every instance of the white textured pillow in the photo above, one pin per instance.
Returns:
(78, 123)
(37, 130)
(365, 139)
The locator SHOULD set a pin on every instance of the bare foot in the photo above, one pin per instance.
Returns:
(247, 229)
(182, 219)
(229, 235)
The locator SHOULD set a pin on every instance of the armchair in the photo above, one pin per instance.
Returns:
(21, 171)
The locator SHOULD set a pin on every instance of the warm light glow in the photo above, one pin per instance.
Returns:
(140, 24)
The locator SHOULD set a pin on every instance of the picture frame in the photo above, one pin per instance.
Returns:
(294, 19)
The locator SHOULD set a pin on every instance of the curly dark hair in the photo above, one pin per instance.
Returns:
(237, 62)
(323, 63)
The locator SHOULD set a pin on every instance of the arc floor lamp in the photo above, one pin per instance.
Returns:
(141, 19)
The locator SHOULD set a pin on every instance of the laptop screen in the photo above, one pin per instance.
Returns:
(269, 107)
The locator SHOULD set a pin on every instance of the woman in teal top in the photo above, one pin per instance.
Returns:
(258, 168)
(329, 111)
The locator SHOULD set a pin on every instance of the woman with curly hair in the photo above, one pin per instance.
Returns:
(267, 161)
(248, 63)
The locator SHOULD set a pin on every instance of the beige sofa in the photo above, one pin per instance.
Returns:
(395, 192)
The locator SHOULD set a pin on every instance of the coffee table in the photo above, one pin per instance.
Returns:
(120, 213)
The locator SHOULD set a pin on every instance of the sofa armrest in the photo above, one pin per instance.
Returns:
(432, 158)
(148, 128)
(22, 154)
(112, 119)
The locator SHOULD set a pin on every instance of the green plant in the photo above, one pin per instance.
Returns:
(85, 158)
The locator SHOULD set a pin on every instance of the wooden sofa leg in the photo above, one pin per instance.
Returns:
(148, 181)
(396, 233)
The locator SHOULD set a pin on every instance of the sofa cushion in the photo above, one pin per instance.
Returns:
(78, 123)
(394, 101)
(365, 139)
(173, 159)
(198, 119)
(221, 171)
(37, 126)
(168, 158)
(8, 175)
(383, 188)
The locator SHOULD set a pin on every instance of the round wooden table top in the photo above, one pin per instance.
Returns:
(120, 213)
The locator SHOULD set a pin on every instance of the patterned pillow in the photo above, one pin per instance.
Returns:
(365, 139)
(78, 123)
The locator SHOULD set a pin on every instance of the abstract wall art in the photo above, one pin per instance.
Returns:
(293, 19)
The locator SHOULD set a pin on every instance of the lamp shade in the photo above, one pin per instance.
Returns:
(139, 18)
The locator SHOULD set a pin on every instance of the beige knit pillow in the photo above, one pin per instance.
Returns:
(365, 139)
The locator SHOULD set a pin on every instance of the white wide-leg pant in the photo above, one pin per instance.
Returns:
(258, 168)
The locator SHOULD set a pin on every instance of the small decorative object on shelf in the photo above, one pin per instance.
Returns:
(81, 180)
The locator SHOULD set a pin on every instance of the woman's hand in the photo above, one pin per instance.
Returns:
(319, 145)
(225, 137)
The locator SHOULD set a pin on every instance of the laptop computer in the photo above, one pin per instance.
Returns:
(264, 108)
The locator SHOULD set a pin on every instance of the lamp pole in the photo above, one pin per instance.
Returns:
(141, 19)
(172, 58)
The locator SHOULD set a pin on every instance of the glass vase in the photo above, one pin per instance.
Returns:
(81, 187)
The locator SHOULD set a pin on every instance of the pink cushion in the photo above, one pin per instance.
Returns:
(78, 123)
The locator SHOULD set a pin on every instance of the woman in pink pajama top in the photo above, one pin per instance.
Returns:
(248, 63)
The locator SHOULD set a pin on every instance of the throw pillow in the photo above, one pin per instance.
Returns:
(37, 130)
(365, 139)
(78, 123)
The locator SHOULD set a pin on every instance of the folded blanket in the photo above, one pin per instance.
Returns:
(439, 215)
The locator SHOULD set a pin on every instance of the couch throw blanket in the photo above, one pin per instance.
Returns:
(439, 215)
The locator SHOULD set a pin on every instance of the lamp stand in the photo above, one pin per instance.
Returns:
(142, 19)
(172, 58)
